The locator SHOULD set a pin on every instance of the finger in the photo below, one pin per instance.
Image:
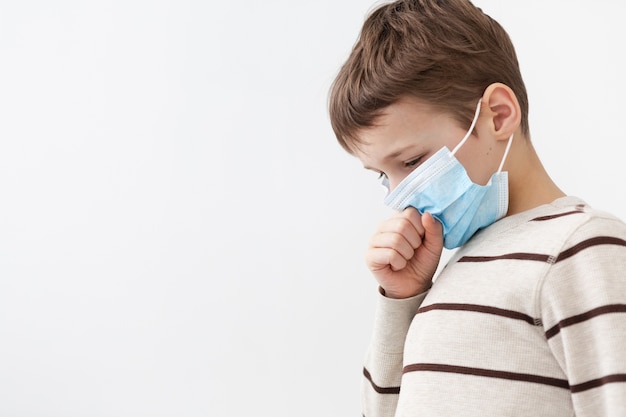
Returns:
(395, 241)
(415, 218)
(408, 224)
(382, 258)
(433, 233)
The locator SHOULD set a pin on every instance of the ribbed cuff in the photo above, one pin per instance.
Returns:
(392, 320)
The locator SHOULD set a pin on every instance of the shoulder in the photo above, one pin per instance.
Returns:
(582, 235)
(593, 228)
(587, 270)
(548, 229)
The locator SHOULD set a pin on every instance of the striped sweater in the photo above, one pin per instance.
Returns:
(527, 319)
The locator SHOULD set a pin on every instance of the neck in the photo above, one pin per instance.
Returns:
(530, 185)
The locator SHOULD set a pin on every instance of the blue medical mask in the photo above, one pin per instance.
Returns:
(441, 187)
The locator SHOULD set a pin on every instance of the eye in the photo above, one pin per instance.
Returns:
(413, 162)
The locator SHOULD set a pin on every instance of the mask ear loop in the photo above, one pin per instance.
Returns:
(471, 129)
(506, 152)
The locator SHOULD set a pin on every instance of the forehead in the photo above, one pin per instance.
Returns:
(407, 122)
(406, 112)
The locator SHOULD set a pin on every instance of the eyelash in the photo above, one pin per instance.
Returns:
(412, 162)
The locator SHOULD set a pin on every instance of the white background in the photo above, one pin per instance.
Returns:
(180, 234)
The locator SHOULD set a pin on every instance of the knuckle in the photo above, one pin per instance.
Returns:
(396, 240)
(405, 226)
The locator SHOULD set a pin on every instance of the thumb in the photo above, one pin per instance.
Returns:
(433, 233)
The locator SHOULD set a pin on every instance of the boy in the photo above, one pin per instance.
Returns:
(528, 318)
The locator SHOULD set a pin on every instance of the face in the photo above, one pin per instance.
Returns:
(410, 131)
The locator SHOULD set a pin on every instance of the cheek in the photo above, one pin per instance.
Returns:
(480, 166)
(481, 178)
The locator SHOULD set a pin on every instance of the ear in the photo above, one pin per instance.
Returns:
(501, 106)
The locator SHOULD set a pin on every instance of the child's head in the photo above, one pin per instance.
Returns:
(442, 52)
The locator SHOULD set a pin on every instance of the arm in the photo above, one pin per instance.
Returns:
(383, 363)
(403, 255)
(583, 302)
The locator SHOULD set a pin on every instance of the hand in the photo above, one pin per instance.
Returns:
(404, 253)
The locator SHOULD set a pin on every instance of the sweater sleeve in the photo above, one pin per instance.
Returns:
(383, 362)
(583, 309)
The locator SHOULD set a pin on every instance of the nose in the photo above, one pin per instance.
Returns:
(392, 182)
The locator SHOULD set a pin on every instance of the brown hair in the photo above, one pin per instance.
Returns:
(444, 52)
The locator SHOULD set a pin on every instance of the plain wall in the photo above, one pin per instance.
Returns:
(180, 233)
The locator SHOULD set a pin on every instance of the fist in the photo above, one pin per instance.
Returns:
(404, 253)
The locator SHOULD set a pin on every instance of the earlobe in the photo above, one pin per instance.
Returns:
(501, 106)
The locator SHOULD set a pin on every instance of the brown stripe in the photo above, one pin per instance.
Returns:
(489, 373)
(522, 256)
(480, 309)
(517, 256)
(607, 309)
(595, 383)
(555, 216)
(380, 390)
(600, 240)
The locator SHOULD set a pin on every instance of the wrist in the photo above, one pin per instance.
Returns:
(399, 295)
